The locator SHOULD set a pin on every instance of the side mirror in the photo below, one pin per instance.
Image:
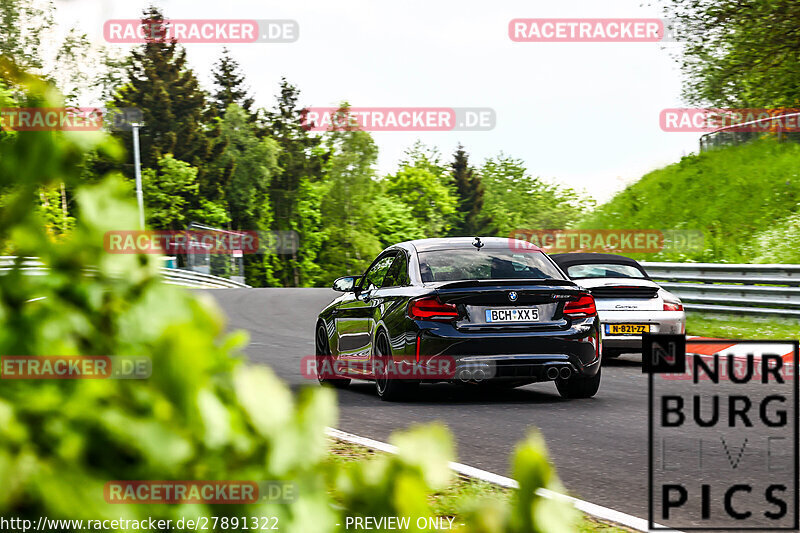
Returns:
(346, 284)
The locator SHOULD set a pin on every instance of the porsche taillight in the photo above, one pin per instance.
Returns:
(582, 307)
(430, 308)
(673, 306)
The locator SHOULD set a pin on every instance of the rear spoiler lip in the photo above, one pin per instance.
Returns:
(519, 283)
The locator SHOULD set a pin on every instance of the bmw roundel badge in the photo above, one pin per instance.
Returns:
(512, 295)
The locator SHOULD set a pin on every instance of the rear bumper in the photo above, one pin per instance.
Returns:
(673, 322)
(526, 367)
(515, 355)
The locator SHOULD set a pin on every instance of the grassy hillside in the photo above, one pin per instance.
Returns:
(742, 197)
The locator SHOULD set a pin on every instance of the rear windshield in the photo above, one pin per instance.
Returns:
(604, 270)
(460, 264)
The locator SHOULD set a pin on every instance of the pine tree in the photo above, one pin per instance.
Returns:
(177, 117)
(230, 84)
(470, 192)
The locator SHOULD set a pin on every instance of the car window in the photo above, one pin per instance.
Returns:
(461, 264)
(377, 272)
(604, 270)
(397, 276)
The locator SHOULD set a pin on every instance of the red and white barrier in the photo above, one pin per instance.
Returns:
(739, 349)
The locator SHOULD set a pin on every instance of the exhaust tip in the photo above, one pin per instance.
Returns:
(565, 372)
(552, 373)
(479, 375)
(465, 375)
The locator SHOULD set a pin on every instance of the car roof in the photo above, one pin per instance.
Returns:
(567, 260)
(450, 243)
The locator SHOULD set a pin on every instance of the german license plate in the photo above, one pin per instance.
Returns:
(627, 329)
(512, 315)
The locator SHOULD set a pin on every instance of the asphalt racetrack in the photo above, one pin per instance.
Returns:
(599, 446)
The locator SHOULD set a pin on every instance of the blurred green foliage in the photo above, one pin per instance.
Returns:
(204, 414)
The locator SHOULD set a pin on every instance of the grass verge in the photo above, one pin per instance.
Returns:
(752, 328)
(452, 501)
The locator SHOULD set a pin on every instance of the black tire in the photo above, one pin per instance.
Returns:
(389, 389)
(324, 356)
(579, 387)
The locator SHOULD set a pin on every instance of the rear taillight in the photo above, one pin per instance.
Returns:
(673, 306)
(430, 308)
(582, 307)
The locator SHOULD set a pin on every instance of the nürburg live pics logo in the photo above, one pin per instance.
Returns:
(723, 434)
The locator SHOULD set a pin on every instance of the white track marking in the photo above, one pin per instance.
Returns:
(597, 511)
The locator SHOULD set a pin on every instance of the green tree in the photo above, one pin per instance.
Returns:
(300, 160)
(253, 161)
(516, 200)
(427, 158)
(26, 37)
(308, 224)
(469, 189)
(168, 192)
(171, 197)
(76, 66)
(230, 85)
(394, 221)
(112, 73)
(24, 23)
(348, 216)
(739, 53)
(430, 202)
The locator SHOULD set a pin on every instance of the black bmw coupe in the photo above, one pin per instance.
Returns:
(479, 311)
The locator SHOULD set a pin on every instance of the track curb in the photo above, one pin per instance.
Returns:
(591, 509)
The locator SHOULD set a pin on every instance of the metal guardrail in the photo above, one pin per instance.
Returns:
(733, 134)
(188, 278)
(172, 276)
(758, 290)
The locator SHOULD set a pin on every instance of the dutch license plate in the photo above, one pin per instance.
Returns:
(627, 329)
(512, 315)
